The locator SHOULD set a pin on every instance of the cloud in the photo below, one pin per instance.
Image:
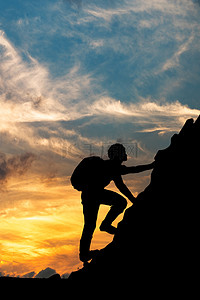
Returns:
(96, 43)
(15, 165)
(32, 100)
(36, 109)
(127, 7)
(146, 45)
(174, 60)
(144, 112)
(29, 93)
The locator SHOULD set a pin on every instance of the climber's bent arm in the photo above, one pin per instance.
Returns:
(123, 188)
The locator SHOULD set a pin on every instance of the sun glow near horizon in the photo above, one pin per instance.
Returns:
(39, 224)
(43, 233)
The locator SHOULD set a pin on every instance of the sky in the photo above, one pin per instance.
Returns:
(75, 77)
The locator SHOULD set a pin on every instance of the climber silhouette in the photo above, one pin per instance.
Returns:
(91, 177)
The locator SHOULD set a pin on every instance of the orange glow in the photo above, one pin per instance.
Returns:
(41, 225)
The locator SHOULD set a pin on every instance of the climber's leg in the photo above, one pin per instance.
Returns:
(117, 203)
(90, 211)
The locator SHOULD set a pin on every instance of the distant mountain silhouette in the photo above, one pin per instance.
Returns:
(156, 243)
(48, 272)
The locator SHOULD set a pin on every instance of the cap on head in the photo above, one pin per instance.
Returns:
(117, 152)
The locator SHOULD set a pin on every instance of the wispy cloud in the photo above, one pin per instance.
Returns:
(30, 94)
(174, 60)
(127, 7)
(145, 112)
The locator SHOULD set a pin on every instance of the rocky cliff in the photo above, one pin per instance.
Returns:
(156, 243)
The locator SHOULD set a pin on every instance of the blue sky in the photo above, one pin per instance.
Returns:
(77, 76)
(132, 49)
(106, 69)
(132, 52)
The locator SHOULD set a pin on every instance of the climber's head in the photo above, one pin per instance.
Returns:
(117, 152)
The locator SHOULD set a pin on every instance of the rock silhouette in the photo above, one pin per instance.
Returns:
(156, 243)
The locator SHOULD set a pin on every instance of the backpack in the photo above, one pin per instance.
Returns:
(88, 173)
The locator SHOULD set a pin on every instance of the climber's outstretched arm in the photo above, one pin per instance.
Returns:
(138, 169)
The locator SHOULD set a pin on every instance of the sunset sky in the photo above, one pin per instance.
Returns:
(75, 77)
